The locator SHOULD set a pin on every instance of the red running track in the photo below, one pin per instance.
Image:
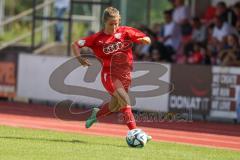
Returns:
(217, 135)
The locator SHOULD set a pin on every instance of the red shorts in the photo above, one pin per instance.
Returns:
(112, 82)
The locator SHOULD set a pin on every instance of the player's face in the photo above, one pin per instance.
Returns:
(111, 25)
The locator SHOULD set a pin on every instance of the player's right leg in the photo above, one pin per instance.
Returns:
(124, 107)
(119, 98)
(92, 119)
(102, 111)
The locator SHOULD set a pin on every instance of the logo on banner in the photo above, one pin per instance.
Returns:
(152, 72)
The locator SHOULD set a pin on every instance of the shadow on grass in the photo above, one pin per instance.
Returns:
(74, 141)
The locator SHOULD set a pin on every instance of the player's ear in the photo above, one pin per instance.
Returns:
(120, 19)
(103, 24)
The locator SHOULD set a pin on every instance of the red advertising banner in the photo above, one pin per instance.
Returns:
(7, 79)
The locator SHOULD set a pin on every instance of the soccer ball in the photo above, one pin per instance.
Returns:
(136, 138)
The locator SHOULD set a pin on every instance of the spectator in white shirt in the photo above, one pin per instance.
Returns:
(181, 15)
(199, 36)
(181, 12)
(171, 32)
(219, 36)
(199, 33)
(169, 39)
(221, 30)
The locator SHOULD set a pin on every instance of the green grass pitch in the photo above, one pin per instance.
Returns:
(29, 144)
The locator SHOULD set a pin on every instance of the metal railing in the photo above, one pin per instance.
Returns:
(53, 20)
(69, 20)
(25, 13)
(21, 16)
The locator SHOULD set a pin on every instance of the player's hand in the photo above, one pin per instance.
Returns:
(83, 61)
(144, 40)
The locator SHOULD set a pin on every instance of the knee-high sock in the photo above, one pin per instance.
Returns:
(104, 111)
(128, 117)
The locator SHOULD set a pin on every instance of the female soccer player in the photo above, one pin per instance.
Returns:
(113, 47)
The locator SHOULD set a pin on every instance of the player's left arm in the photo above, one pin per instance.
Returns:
(138, 36)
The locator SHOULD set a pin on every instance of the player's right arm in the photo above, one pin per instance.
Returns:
(76, 48)
(83, 61)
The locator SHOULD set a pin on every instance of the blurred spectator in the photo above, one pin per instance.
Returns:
(208, 57)
(221, 30)
(210, 47)
(230, 55)
(237, 12)
(155, 55)
(216, 41)
(199, 35)
(197, 55)
(142, 51)
(156, 28)
(181, 15)
(182, 41)
(170, 35)
(169, 38)
(226, 14)
(60, 6)
(209, 15)
(210, 31)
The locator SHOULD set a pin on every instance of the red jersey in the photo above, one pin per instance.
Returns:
(114, 51)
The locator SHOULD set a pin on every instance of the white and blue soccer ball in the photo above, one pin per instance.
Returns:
(136, 138)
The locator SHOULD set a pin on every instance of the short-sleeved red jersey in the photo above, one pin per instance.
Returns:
(106, 46)
(114, 51)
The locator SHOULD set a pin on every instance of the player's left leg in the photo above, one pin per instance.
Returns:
(126, 109)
